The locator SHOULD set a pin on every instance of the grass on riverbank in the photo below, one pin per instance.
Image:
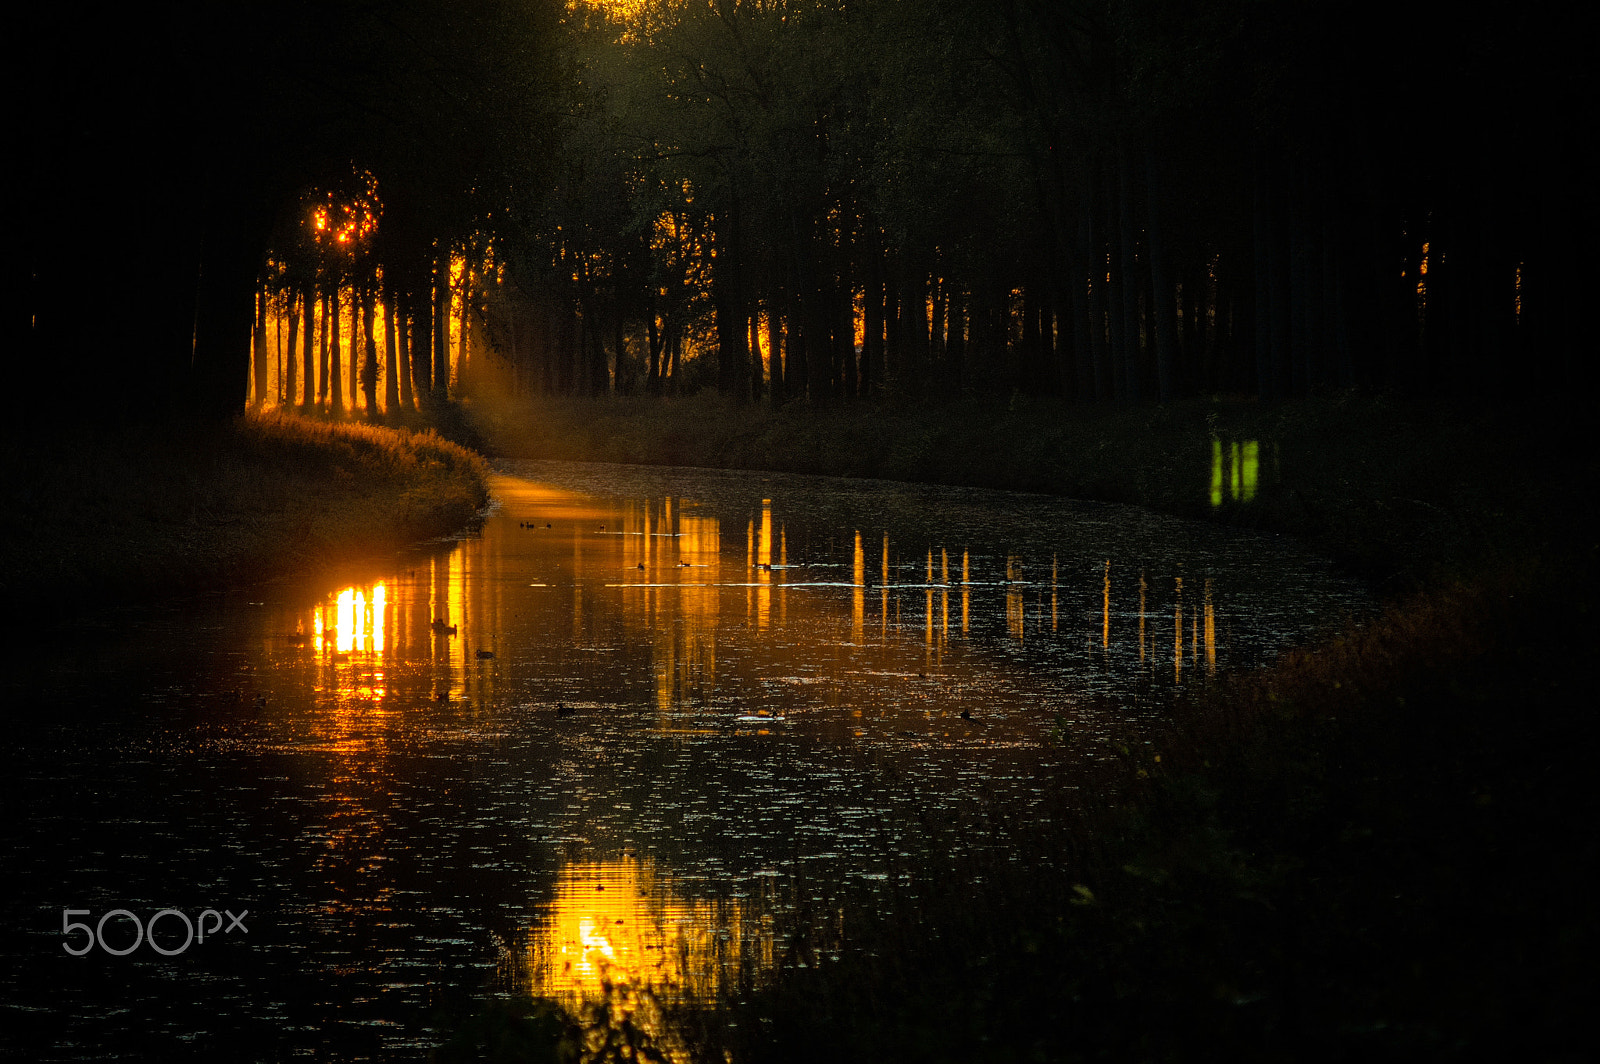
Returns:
(151, 511)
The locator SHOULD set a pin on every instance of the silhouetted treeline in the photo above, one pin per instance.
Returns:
(1096, 199)
(170, 151)
(818, 199)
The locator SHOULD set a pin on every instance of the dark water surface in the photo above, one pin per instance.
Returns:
(670, 699)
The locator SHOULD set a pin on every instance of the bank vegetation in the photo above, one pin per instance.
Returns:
(136, 513)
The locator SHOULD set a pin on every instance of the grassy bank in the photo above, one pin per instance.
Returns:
(152, 511)
(1374, 849)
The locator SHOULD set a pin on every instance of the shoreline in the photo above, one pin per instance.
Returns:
(1406, 493)
(150, 514)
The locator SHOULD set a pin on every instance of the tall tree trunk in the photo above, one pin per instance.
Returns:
(289, 377)
(335, 356)
(844, 330)
(420, 303)
(956, 341)
(464, 337)
(369, 370)
(1030, 349)
(1162, 295)
(1134, 364)
(872, 354)
(308, 341)
(391, 359)
(440, 389)
(757, 372)
(356, 355)
(652, 380)
(775, 359)
(277, 358)
(258, 349)
(1117, 278)
(1096, 269)
(914, 328)
(322, 376)
(729, 304)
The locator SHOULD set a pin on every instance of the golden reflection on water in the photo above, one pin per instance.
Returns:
(1105, 609)
(625, 602)
(966, 588)
(858, 598)
(1016, 611)
(650, 574)
(620, 932)
(1177, 625)
(1143, 588)
(1211, 631)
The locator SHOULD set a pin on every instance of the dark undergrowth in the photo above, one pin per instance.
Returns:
(90, 517)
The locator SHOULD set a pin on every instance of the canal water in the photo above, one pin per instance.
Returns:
(603, 741)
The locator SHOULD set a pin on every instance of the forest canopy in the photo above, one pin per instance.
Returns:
(367, 207)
